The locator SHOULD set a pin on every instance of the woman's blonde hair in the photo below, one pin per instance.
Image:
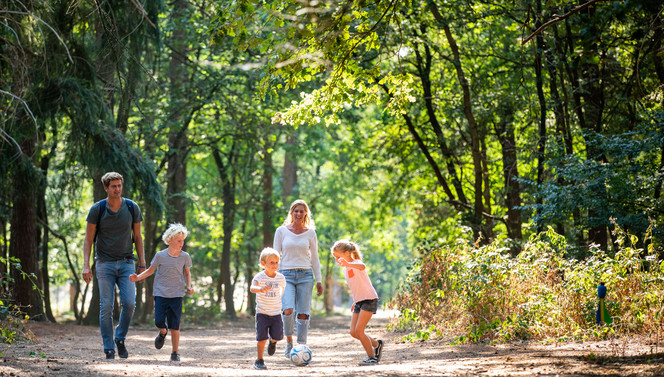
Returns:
(172, 231)
(347, 246)
(308, 221)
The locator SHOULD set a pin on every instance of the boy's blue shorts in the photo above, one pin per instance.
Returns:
(167, 309)
(269, 326)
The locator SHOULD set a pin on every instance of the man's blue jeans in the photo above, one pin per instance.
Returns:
(297, 296)
(108, 275)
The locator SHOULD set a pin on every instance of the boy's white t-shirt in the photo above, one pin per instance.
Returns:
(269, 302)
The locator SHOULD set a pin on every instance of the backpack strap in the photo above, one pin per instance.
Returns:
(102, 209)
(131, 206)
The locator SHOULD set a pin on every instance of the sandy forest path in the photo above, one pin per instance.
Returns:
(229, 350)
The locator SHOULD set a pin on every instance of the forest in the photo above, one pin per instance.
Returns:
(479, 141)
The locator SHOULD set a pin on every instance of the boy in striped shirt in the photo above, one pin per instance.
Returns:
(268, 285)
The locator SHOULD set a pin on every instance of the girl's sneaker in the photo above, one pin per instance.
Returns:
(378, 351)
(175, 356)
(369, 361)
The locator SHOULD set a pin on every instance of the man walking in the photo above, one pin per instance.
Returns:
(114, 226)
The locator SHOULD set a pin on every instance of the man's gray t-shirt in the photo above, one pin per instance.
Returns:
(169, 281)
(114, 232)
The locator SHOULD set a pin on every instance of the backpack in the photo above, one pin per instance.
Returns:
(102, 209)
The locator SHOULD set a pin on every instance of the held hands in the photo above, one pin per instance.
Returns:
(133, 278)
(190, 290)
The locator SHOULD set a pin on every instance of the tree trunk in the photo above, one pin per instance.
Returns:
(228, 193)
(289, 172)
(268, 222)
(541, 134)
(43, 215)
(478, 210)
(178, 144)
(424, 72)
(151, 242)
(23, 234)
(505, 135)
(592, 90)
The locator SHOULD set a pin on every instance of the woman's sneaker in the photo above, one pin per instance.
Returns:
(159, 340)
(378, 351)
(369, 361)
(175, 356)
(289, 347)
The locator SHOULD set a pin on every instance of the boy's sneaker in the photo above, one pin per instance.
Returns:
(122, 350)
(289, 347)
(271, 347)
(369, 361)
(175, 356)
(159, 340)
(378, 351)
(259, 364)
(110, 354)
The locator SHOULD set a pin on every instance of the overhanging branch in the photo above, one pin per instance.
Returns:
(560, 18)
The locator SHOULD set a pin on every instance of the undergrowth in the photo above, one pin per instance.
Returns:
(482, 294)
(12, 318)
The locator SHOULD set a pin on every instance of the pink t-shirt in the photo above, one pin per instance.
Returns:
(359, 284)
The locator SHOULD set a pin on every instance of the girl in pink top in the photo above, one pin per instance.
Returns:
(365, 298)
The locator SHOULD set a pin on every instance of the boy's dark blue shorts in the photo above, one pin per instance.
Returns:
(366, 305)
(167, 309)
(271, 325)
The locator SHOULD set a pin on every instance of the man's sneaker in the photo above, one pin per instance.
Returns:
(122, 350)
(175, 356)
(159, 340)
(378, 351)
(110, 354)
(271, 347)
(369, 361)
(259, 364)
(289, 347)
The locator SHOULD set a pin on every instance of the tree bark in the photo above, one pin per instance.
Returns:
(539, 83)
(178, 123)
(268, 190)
(289, 172)
(505, 134)
(228, 193)
(23, 234)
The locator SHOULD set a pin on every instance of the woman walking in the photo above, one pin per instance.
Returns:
(297, 242)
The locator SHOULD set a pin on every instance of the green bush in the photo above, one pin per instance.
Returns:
(481, 293)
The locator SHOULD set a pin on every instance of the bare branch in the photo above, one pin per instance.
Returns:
(560, 18)
(47, 25)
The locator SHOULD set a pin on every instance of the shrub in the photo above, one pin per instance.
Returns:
(480, 293)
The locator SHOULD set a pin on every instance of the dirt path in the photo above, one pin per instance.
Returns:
(229, 350)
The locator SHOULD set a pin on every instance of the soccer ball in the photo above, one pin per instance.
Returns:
(300, 355)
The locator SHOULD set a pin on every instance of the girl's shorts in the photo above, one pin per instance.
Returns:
(366, 305)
